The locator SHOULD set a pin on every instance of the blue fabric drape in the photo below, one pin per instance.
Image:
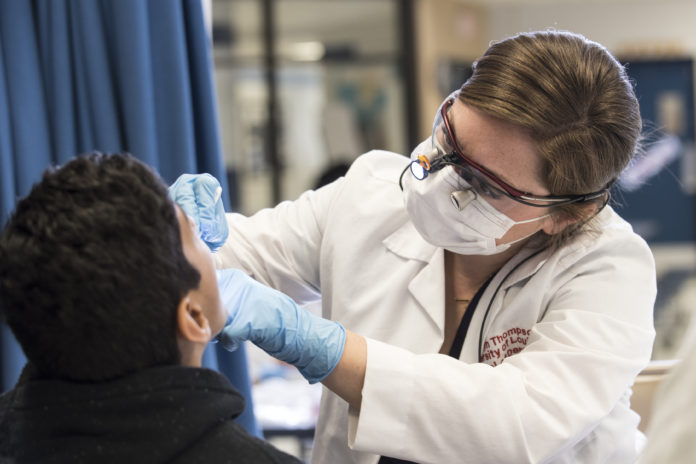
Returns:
(107, 75)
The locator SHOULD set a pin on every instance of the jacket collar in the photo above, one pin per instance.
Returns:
(407, 243)
(530, 259)
(521, 266)
(154, 414)
(428, 285)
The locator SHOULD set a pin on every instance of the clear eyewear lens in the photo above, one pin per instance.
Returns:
(475, 180)
(481, 183)
(472, 179)
(438, 138)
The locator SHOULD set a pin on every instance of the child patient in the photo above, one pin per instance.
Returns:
(113, 298)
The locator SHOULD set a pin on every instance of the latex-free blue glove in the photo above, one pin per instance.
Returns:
(199, 197)
(272, 321)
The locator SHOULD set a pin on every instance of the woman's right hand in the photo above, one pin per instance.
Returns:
(199, 196)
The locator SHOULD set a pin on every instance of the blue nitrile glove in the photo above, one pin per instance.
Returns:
(199, 195)
(272, 321)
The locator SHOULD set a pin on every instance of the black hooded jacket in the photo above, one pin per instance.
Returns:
(167, 414)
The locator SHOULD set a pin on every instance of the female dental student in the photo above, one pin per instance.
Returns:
(481, 300)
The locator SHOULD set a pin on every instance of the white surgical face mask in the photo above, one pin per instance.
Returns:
(424, 148)
(449, 214)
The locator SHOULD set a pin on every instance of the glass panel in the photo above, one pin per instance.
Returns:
(242, 100)
(339, 87)
(340, 93)
(339, 90)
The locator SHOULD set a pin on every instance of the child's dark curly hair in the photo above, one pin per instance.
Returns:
(92, 270)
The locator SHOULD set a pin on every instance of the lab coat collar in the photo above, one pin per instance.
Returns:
(521, 266)
(524, 265)
(408, 243)
(428, 286)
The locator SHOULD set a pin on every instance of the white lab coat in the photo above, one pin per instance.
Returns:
(562, 335)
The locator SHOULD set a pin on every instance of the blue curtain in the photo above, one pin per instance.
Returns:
(107, 75)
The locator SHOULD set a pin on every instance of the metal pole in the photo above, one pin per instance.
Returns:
(408, 35)
(272, 125)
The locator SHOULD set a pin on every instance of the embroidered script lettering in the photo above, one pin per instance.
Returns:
(498, 347)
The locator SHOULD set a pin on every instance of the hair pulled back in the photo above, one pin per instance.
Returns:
(575, 101)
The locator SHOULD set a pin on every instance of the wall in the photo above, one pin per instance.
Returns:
(624, 27)
(446, 30)
(462, 29)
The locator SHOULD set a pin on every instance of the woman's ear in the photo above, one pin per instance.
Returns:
(557, 223)
(192, 324)
(559, 220)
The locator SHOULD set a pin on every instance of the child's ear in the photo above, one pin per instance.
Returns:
(192, 323)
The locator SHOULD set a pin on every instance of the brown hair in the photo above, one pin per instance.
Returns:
(576, 102)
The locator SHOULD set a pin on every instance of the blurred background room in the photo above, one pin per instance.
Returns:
(306, 86)
(297, 89)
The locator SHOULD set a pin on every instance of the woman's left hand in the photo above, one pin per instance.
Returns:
(199, 196)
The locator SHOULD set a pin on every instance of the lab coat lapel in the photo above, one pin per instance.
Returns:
(525, 264)
(428, 286)
(522, 266)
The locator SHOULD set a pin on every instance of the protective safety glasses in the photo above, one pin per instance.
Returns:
(446, 152)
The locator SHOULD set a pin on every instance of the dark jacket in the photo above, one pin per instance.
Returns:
(168, 414)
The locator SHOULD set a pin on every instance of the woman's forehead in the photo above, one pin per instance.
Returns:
(506, 150)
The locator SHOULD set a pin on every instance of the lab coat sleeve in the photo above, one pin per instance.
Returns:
(577, 366)
(280, 246)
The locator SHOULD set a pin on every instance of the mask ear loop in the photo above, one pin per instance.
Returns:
(606, 191)
(607, 198)
(605, 203)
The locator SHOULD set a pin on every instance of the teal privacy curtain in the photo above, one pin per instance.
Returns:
(108, 75)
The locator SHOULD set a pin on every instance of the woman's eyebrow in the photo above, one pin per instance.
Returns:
(467, 153)
(462, 146)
